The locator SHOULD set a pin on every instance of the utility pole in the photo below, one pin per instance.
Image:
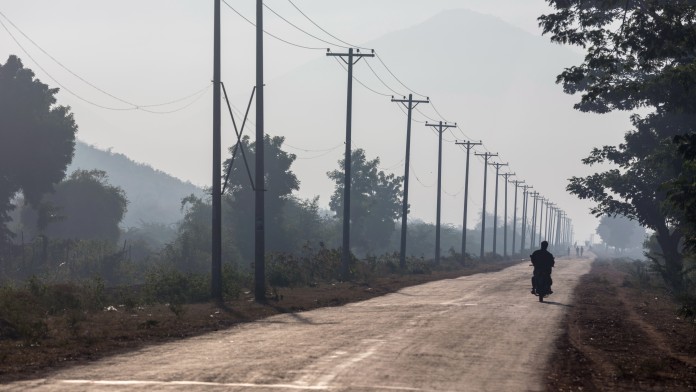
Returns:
(549, 207)
(440, 128)
(486, 156)
(353, 56)
(549, 222)
(505, 220)
(259, 204)
(216, 251)
(525, 204)
(495, 204)
(514, 216)
(535, 197)
(541, 220)
(468, 145)
(558, 228)
(552, 219)
(409, 104)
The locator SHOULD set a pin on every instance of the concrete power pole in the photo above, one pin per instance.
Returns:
(535, 198)
(409, 104)
(259, 204)
(549, 217)
(546, 223)
(495, 206)
(505, 215)
(558, 227)
(468, 145)
(350, 58)
(440, 128)
(541, 219)
(514, 216)
(216, 251)
(486, 156)
(525, 216)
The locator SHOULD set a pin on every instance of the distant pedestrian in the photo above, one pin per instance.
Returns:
(582, 250)
(577, 252)
(569, 251)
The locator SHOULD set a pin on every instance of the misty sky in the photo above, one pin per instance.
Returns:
(157, 51)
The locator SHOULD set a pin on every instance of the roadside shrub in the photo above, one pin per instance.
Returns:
(233, 281)
(284, 270)
(415, 266)
(168, 285)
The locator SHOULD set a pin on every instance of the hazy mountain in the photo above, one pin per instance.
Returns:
(154, 196)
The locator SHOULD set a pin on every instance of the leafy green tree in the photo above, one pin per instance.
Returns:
(375, 201)
(639, 54)
(38, 138)
(682, 191)
(280, 183)
(635, 189)
(620, 232)
(305, 224)
(84, 206)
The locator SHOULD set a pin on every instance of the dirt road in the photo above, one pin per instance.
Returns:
(483, 332)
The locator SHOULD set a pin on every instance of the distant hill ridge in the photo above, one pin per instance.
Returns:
(154, 196)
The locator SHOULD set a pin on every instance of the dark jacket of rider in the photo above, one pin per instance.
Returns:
(543, 261)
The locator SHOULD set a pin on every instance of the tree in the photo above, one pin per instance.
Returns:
(38, 138)
(620, 232)
(635, 189)
(85, 206)
(639, 54)
(280, 183)
(682, 191)
(375, 201)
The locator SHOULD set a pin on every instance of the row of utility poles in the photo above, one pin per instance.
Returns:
(557, 226)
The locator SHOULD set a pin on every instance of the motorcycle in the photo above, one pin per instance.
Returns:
(542, 286)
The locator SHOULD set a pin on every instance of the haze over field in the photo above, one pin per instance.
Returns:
(484, 64)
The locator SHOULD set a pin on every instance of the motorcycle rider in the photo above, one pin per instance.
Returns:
(543, 261)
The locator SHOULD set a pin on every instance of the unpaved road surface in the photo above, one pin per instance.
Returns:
(483, 332)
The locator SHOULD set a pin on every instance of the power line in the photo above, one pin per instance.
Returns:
(355, 46)
(412, 119)
(135, 106)
(322, 29)
(395, 77)
(454, 194)
(269, 34)
(310, 150)
(322, 154)
(55, 80)
(418, 178)
(304, 31)
(428, 117)
(438, 135)
(462, 132)
(380, 79)
(438, 112)
(392, 166)
(285, 144)
(361, 83)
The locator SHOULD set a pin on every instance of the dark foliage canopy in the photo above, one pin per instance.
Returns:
(84, 206)
(638, 52)
(375, 201)
(38, 138)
